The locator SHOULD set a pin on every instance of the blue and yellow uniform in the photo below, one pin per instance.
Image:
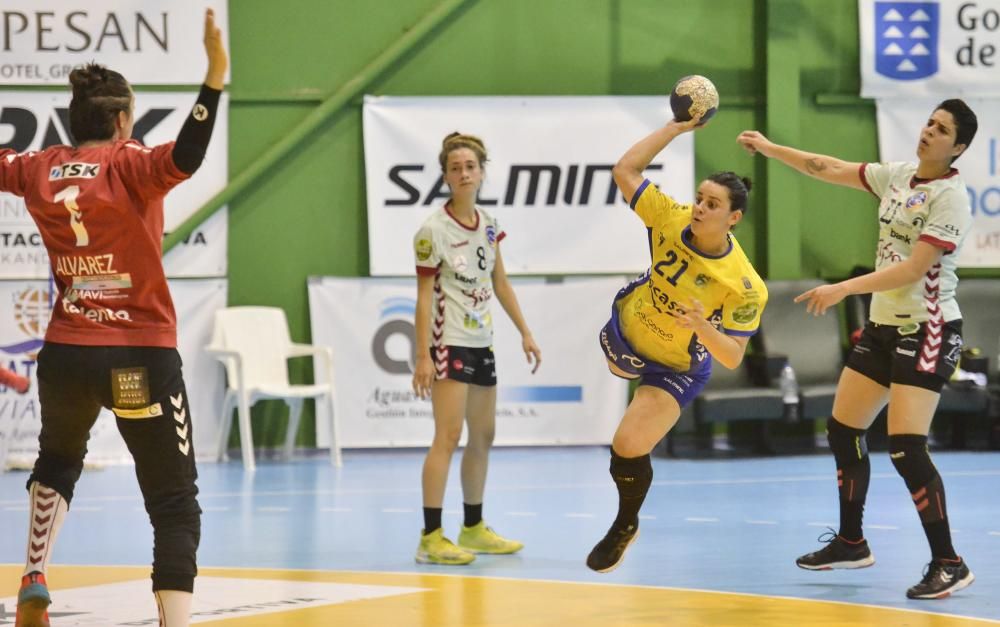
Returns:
(642, 337)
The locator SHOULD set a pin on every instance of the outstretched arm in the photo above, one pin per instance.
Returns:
(192, 140)
(628, 172)
(822, 167)
(906, 272)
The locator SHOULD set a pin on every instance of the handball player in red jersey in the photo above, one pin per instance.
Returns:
(112, 339)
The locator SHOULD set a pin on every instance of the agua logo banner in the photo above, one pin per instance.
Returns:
(899, 125)
(548, 180)
(32, 120)
(572, 399)
(151, 42)
(938, 49)
(25, 307)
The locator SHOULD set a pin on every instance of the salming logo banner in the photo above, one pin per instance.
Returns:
(548, 180)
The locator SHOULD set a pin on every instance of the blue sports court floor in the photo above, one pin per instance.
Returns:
(303, 543)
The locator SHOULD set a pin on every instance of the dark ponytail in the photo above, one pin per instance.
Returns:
(99, 94)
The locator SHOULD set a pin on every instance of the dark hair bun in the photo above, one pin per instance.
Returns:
(746, 182)
(96, 80)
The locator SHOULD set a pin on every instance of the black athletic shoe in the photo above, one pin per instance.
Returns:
(838, 553)
(941, 578)
(610, 551)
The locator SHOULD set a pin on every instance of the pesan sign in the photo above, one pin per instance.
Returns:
(149, 41)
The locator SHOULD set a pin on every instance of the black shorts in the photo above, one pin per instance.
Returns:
(468, 365)
(908, 354)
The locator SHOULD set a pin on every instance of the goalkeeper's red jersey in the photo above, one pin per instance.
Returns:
(99, 211)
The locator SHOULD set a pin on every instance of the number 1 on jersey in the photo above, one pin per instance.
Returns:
(68, 198)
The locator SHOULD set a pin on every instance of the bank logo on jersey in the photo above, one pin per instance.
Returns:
(491, 234)
(906, 39)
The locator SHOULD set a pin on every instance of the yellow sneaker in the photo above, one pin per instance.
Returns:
(434, 548)
(481, 539)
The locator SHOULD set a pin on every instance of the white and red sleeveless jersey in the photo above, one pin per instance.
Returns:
(99, 211)
(461, 259)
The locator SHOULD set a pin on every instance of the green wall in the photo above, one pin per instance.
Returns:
(306, 216)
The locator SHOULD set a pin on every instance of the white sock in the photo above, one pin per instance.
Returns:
(174, 607)
(46, 513)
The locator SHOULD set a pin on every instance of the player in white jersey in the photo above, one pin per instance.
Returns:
(911, 343)
(459, 269)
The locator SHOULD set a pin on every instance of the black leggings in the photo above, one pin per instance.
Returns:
(145, 389)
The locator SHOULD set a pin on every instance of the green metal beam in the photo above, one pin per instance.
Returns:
(784, 194)
(332, 105)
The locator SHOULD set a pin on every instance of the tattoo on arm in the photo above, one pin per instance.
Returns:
(815, 165)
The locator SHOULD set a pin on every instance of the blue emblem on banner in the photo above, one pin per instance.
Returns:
(906, 39)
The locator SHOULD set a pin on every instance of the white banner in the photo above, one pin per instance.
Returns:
(899, 125)
(548, 179)
(24, 314)
(151, 42)
(35, 120)
(933, 49)
(572, 399)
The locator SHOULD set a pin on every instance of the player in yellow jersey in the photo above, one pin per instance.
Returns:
(700, 298)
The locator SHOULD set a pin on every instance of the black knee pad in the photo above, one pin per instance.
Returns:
(913, 463)
(849, 445)
(850, 450)
(632, 475)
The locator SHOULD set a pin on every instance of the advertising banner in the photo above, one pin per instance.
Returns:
(25, 307)
(368, 323)
(934, 49)
(150, 42)
(31, 120)
(548, 180)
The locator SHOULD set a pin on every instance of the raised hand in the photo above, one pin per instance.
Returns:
(218, 60)
(754, 142)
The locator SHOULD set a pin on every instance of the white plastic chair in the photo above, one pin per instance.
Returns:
(254, 345)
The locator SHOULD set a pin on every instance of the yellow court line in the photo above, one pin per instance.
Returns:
(450, 600)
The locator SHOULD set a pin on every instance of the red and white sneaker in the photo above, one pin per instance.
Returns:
(33, 601)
